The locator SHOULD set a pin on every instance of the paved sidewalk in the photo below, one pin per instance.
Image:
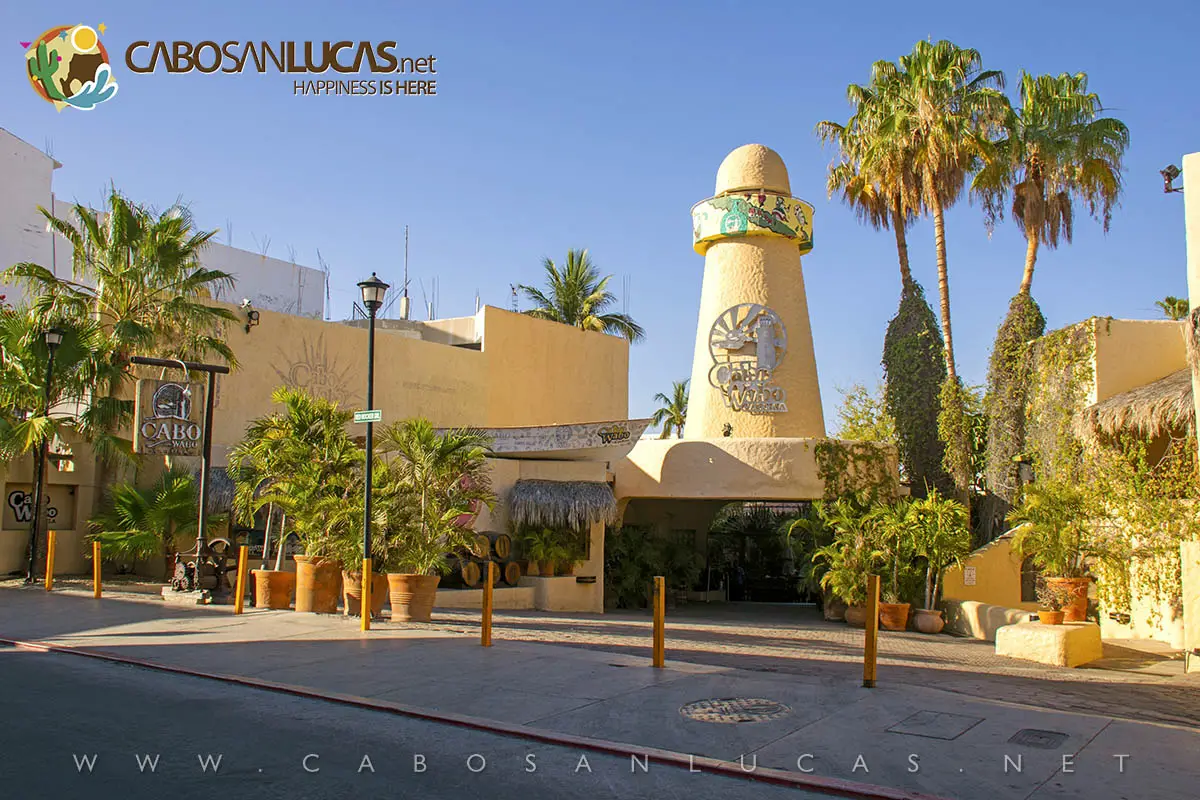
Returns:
(911, 735)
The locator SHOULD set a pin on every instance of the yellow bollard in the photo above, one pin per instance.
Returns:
(486, 627)
(368, 581)
(96, 570)
(871, 648)
(240, 598)
(660, 613)
(50, 542)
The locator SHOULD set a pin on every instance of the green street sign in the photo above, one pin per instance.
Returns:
(368, 416)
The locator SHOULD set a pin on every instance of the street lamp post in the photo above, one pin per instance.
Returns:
(372, 290)
(53, 338)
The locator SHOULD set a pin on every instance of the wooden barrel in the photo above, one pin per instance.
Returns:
(481, 545)
(512, 572)
(501, 545)
(471, 574)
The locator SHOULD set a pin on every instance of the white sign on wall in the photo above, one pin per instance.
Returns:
(968, 576)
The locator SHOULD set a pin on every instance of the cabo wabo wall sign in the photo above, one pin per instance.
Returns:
(169, 418)
(747, 342)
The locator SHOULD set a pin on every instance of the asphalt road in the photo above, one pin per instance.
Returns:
(73, 727)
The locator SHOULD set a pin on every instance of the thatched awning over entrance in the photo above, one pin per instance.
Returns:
(562, 504)
(1153, 409)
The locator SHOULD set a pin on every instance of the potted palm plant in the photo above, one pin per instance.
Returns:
(804, 536)
(1054, 532)
(941, 537)
(849, 559)
(890, 531)
(138, 524)
(445, 474)
(302, 460)
(543, 550)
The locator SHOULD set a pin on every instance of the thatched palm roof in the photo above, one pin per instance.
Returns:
(562, 504)
(1152, 409)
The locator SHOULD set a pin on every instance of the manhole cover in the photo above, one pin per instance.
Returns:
(731, 710)
(1044, 740)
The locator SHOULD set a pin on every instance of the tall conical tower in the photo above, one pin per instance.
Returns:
(754, 368)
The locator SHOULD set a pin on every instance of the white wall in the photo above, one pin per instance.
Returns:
(26, 174)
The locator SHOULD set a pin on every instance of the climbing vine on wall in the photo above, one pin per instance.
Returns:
(856, 469)
(1060, 380)
(1009, 371)
(914, 369)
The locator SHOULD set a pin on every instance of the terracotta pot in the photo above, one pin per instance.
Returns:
(565, 568)
(352, 594)
(833, 608)
(273, 588)
(318, 584)
(928, 620)
(1076, 611)
(856, 616)
(531, 568)
(412, 596)
(1051, 617)
(547, 568)
(893, 616)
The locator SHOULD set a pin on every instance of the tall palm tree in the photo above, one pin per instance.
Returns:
(576, 295)
(673, 412)
(1055, 148)
(877, 197)
(1175, 308)
(938, 107)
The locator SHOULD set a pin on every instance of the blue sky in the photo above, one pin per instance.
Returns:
(598, 125)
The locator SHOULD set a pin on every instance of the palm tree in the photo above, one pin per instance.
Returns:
(446, 474)
(1175, 308)
(138, 275)
(673, 412)
(140, 523)
(877, 197)
(576, 295)
(1055, 148)
(937, 109)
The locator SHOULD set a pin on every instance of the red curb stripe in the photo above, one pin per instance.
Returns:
(830, 786)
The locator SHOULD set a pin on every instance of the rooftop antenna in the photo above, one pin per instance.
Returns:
(626, 282)
(263, 246)
(513, 286)
(325, 269)
(228, 232)
(476, 301)
(53, 210)
(299, 281)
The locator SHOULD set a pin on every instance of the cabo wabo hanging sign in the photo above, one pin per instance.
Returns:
(168, 419)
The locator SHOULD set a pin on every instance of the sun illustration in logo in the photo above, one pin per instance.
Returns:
(68, 66)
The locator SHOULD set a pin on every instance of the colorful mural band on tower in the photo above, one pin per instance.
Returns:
(755, 213)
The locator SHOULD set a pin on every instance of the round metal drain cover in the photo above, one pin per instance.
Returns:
(730, 710)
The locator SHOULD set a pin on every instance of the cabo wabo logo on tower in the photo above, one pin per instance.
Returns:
(69, 67)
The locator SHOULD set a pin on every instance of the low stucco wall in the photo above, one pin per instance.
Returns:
(1190, 555)
(997, 578)
(981, 620)
(512, 597)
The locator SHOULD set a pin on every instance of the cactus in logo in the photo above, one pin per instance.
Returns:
(42, 67)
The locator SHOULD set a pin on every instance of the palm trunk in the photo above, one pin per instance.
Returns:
(901, 246)
(939, 240)
(929, 587)
(282, 542)
(1031, 251)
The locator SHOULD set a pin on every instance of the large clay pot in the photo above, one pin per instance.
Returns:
(928, 620)
(893, 616)
(352, 594)
(318, 583)
(1050, 617)
(412, 596)
(273, 588)
(1075, 611)
(856, 616)
(833, 608)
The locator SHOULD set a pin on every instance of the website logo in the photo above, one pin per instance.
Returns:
(69, 67)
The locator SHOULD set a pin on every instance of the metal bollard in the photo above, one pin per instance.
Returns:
(486, 627)
(96, 570)
(660, 613)
(871, 647)
(52, 539)
(239, 598)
